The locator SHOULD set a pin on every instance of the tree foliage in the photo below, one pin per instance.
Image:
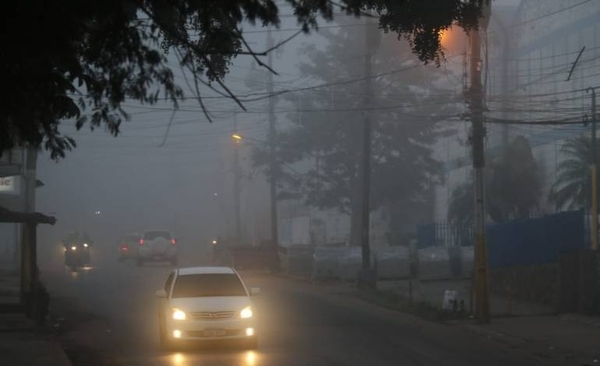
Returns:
(320, 153)
(513, 187)
(81, 60)
(572, 188)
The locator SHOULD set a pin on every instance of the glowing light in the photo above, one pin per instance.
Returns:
(250, 358)
(178, 314)
(237, 137)
(178, 359)
(249, 332)
(73, 247)
(246, 313)
(85, 245)
(214, 242)
(176, 333)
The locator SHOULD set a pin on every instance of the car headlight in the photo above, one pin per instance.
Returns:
(73, 247)
(246, 313)
(178, 314)
(85, 245)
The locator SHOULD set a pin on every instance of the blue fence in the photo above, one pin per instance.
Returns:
(518, 242)
(535, 241)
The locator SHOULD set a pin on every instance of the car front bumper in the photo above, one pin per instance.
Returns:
(211, 330)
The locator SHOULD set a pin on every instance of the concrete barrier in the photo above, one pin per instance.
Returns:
(393, 262)
(434, 263)
(326, 263)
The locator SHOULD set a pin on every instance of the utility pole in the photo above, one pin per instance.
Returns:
(594, 168)
(237, 184)
(273, 161)
(29, 274)
(367, 278)
(482, 302)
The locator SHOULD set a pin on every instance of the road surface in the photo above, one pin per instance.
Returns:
(109, 317)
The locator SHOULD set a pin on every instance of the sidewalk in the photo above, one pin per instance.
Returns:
(535, 327)
(21, 343)
(432, 292)
(572, 338)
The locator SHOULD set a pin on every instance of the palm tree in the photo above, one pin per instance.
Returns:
(572, 188)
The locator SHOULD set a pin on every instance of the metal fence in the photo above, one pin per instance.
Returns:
(444, 234)
(516, 242)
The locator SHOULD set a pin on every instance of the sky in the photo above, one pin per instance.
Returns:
(110, 186)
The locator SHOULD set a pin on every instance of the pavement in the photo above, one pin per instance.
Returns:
(21, 342)
(432, 292)
(537, 328)
(106, 315)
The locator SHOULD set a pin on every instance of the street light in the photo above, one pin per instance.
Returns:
(236, 137)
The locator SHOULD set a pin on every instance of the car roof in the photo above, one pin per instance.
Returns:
(204, 270)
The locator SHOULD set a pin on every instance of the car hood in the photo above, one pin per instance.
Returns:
(221, 303)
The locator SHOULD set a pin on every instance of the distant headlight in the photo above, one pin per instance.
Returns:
(178, 314)
(73, 247)
(85, 245)
(246, 313)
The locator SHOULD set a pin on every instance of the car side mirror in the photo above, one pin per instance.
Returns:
(161, 294)
(254, 291)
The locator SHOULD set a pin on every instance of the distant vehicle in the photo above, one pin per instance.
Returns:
(128, 246)
(157, 245)
(206, 304)
(77, 252)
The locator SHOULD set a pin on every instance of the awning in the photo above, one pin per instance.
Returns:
(21, 217)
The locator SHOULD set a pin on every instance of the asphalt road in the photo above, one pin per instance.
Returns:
(108, 314)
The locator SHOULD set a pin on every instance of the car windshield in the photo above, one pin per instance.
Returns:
(150, 235)
(208, 285)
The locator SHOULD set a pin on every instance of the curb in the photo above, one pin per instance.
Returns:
(582, 319)
(490, 334)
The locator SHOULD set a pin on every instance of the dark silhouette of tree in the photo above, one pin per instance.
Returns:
(513, 187)
(81, 60)
(319, 155)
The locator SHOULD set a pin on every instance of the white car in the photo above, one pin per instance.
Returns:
(206, 304)
(157, 245)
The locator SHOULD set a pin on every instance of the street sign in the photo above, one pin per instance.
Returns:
(10, 185)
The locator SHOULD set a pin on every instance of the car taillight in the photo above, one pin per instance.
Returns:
(172, 241)
(124, 247)
(141, 241)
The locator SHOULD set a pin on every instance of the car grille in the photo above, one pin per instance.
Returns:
(200, 333)
(215, 315)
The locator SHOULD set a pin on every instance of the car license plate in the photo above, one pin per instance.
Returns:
(215, 333)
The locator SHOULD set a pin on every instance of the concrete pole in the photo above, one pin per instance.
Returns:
(482, 304)
(594, 168)
(273, 160)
